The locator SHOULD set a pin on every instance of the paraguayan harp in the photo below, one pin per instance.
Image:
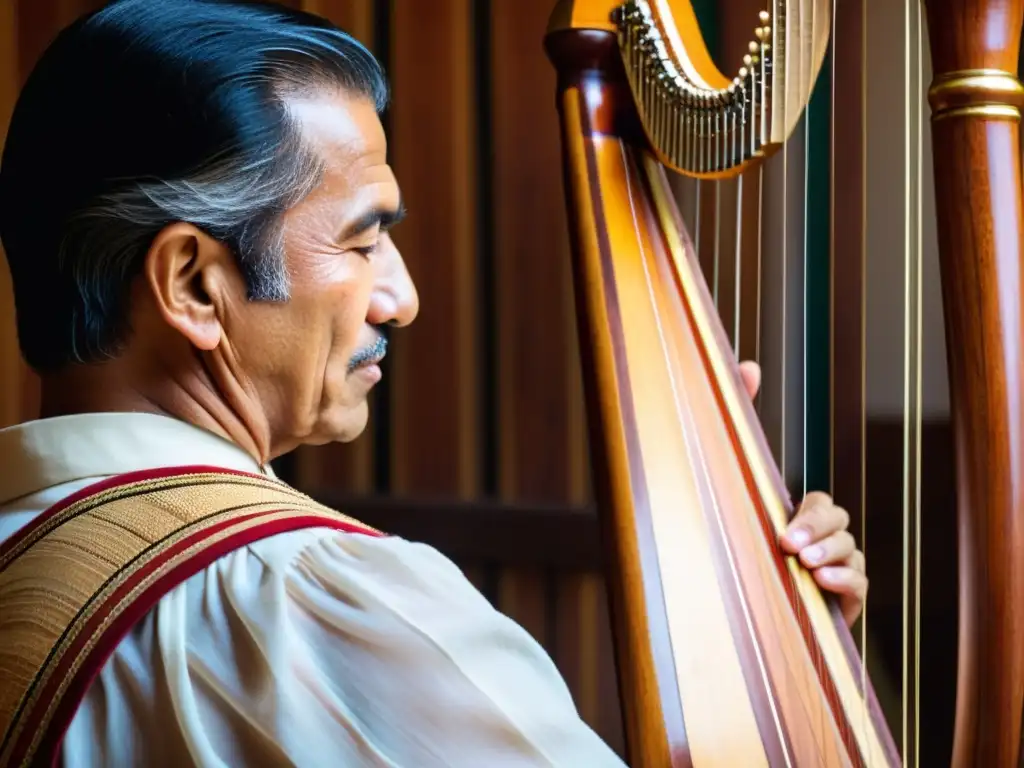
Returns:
(727, 653)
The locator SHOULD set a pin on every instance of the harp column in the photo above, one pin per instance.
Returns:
(976, 99)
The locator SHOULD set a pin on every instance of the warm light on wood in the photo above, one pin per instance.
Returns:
(728, 653)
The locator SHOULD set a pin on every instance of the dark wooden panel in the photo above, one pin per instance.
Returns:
(848, 265)
(540, 425)
(10, 357)
(548, 536)
(435, 378)
(539, 417)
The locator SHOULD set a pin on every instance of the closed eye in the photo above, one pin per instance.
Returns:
(366, 250)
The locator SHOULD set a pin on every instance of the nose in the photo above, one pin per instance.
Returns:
(394, 300)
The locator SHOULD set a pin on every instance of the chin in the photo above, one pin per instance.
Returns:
(341, 425)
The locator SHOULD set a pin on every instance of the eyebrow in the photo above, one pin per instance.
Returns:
(385, 218)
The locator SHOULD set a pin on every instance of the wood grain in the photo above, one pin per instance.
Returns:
(436, 387)
(976, 148)
(10, 356)
(689, 498)
(540, 427)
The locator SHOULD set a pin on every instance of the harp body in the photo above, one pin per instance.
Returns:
(727, 653)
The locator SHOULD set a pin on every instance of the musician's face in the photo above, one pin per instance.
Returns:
(300, 370)
(313, 357)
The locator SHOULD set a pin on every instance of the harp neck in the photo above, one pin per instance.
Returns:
(700, 120)
(588, 59)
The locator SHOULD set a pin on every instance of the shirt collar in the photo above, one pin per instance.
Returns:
(48, 452)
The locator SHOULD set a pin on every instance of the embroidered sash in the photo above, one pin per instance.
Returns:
(75, 580)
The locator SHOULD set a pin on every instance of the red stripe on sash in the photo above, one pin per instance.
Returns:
(110, 483)
(94, 643)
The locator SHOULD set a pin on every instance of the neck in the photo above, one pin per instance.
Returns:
(191, 397)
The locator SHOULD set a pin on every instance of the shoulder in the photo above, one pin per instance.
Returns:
(325, 642)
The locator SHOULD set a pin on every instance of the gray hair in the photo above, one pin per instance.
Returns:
(229, 195)
(181, 115)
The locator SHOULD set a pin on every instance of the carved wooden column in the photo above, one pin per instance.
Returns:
(976, 99)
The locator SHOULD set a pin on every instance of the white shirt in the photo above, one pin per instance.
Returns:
(311, 648)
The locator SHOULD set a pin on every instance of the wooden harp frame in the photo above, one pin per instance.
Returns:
(727, 653)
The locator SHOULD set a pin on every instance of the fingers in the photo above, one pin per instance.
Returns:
(850, 584)
(817, 519)
(750, 372)
(838, 548)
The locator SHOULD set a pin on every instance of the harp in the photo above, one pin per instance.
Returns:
(727, 653)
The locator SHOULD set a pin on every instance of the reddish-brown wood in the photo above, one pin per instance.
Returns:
(533, 369)
(683, 467)
(10, 355)
(975, 100)
(539, 430)
(435, 374)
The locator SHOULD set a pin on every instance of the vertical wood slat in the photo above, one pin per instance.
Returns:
(345, 466)
(10, 357)
(848, 266)
(541, 432)
(435, 441)
(531, 274)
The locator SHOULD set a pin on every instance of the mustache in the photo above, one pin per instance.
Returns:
(369, 355)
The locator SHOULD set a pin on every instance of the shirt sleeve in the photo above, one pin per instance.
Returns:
(316, 648)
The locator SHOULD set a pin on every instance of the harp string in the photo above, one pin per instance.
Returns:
(758, 309)
(862, 473)
(806, 296)
(684, 416)
(738, 267)
(784, 299)
(717, 239)
(912, 416)
(836, 50)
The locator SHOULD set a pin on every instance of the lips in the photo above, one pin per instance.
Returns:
(370, 355)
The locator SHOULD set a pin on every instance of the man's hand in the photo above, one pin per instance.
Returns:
(818, 535)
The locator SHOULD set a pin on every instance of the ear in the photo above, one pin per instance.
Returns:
(189, 275)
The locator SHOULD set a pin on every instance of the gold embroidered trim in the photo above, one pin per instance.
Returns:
(68, 570)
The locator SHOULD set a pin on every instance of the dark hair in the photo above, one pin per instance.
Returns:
(148, 112)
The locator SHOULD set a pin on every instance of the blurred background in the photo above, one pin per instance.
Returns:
(823, 264)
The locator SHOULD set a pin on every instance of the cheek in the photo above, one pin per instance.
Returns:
(338, 297)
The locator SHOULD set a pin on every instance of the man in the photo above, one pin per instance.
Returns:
(194, 202)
